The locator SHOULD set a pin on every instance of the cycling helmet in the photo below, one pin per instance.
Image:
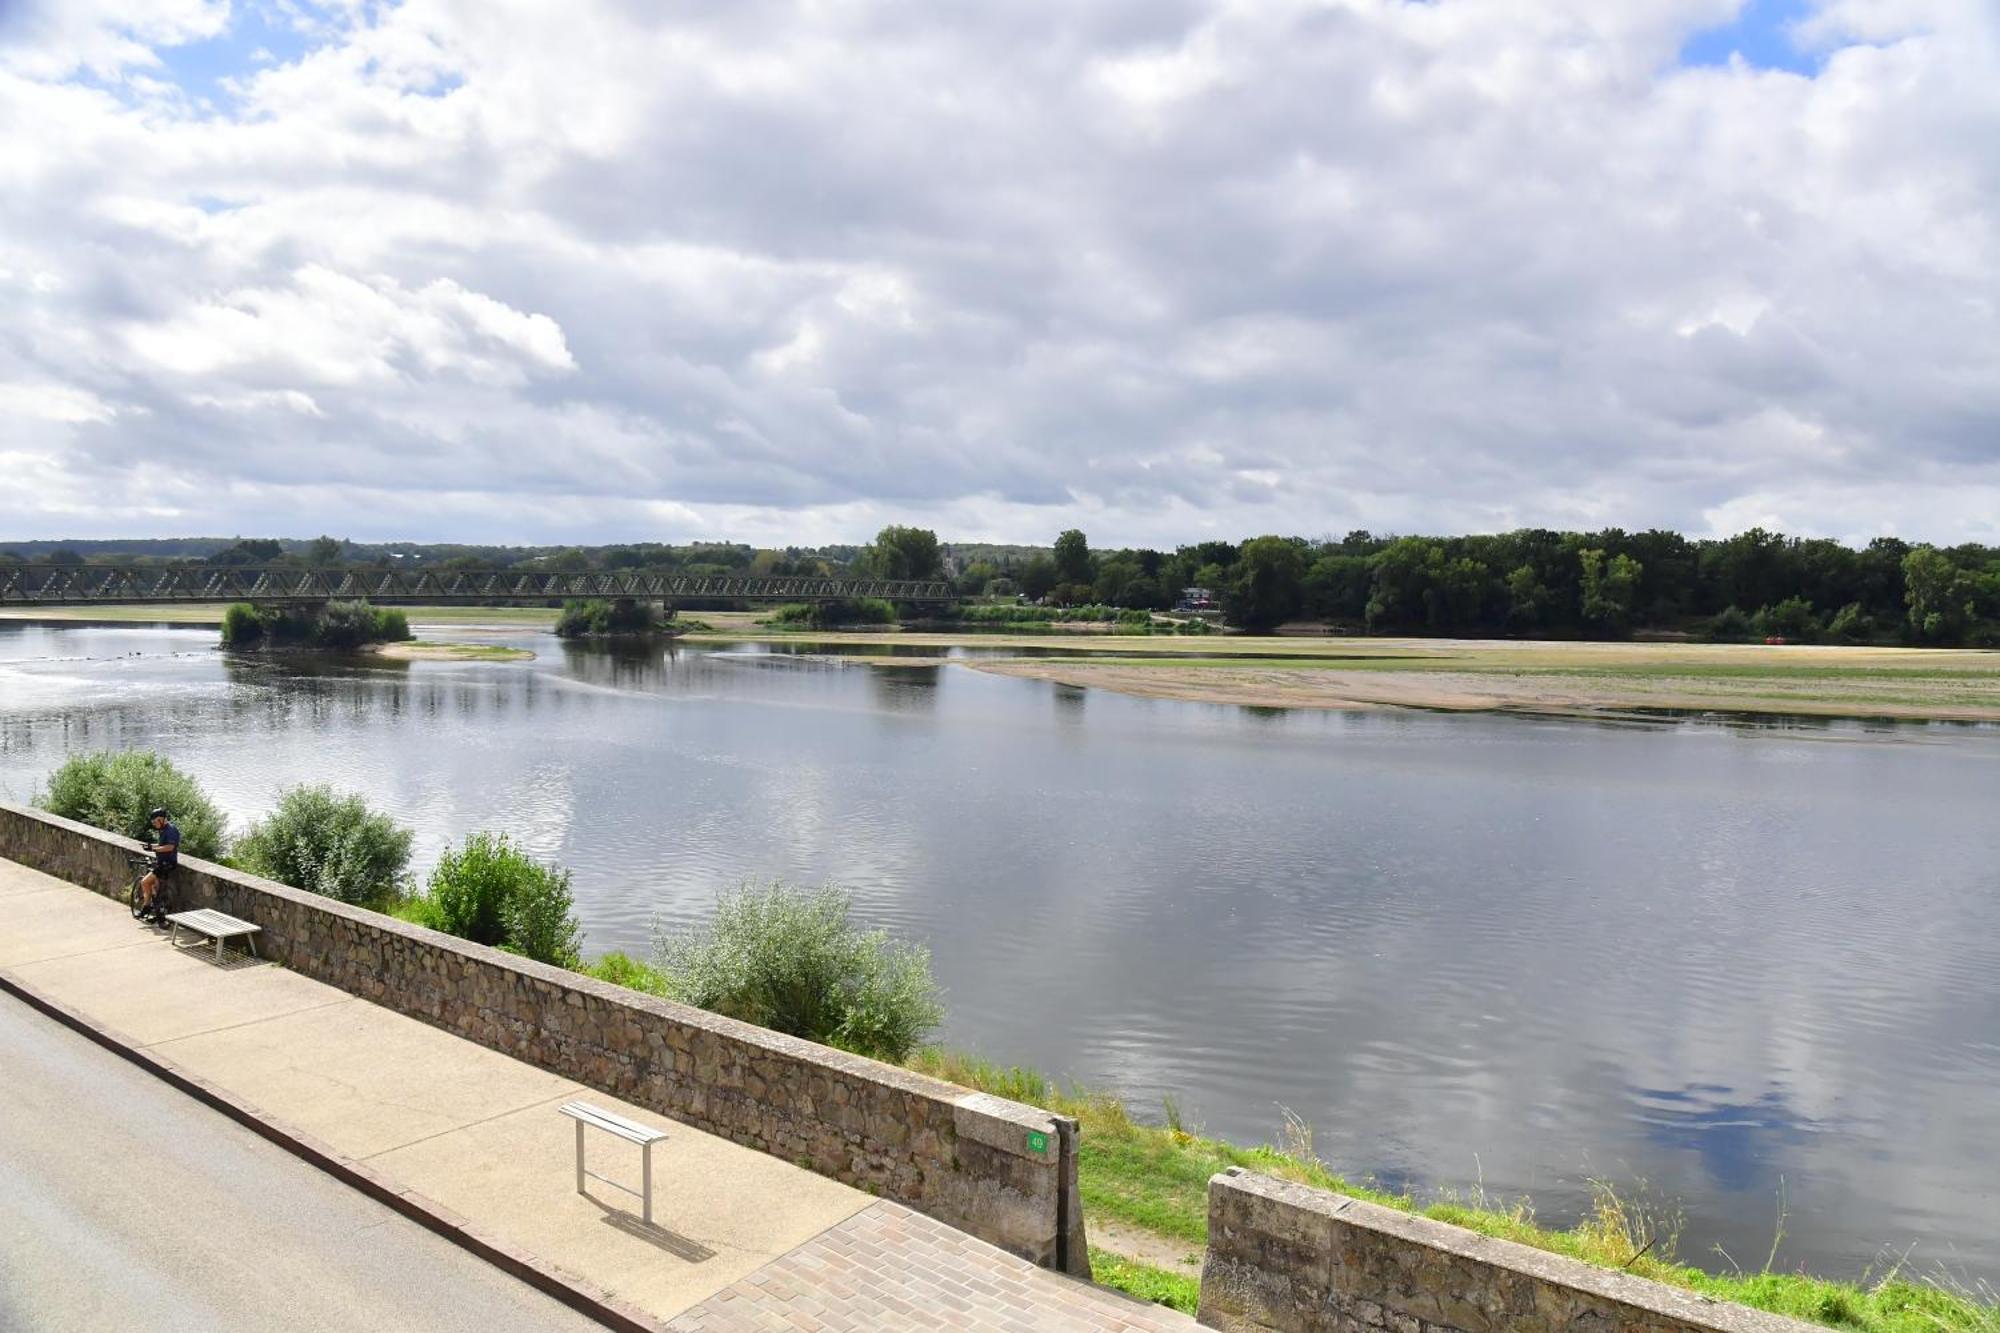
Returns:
(157, 812)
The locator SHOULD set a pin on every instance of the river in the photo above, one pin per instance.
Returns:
(1751, 965)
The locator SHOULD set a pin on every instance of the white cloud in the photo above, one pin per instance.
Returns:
(1172, 268)
(52, 402)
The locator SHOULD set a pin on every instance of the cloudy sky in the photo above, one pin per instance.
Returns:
(520, 270)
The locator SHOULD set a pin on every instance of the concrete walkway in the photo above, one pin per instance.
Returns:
(478, 1133)
(104, 1166)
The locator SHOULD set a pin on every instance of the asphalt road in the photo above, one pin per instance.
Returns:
(127, 1205)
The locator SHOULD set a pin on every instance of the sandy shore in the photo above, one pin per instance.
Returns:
(451, 652)
(1827, 694)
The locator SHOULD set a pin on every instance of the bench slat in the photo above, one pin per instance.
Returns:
(612, 1123)
(207, 921)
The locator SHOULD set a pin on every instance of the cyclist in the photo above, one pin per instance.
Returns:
(164, 840)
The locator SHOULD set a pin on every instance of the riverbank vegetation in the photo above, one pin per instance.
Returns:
(339, 626)
(1529, 583)
(115, 790)
(856, 612)
(792, 960)
(330, 843)
(1152, 1180)
(598, 618)
(490, 892)
(1022, 618)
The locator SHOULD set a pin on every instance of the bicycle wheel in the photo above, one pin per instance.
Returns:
(137, 899)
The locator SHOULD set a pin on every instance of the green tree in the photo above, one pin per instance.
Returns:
(1269, 584)
(1336, 587)
(324, 552)
(1406, 573)
(248, 551)
(1072, 556)
(1527, 599)
(1941, 596)
(1038, 577)
(1792, 620)
(1851, 624)
(1610, 587)
(977, 577)
(904, 553)
(1729, 625)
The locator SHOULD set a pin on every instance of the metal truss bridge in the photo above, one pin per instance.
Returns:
(126, 585)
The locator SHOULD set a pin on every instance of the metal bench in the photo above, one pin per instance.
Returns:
(218, 926)
(629, 1130)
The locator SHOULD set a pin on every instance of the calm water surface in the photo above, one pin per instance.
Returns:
(1735, 962)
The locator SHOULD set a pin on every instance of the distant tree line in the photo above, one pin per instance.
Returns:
(1530, 583)
(1539, 583)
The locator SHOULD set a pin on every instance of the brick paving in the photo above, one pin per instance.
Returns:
(887, 1268)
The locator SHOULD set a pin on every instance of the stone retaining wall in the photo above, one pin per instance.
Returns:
(1303, 1260)
(1000, 1170)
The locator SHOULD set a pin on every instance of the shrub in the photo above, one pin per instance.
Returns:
(490, 892)
(352, 624)
(1006, 614)
(1791, 619)
(1851, 624)
(115, 791)
(624, 970)
(1731, 626)
(328, 843)
(339, 625)
(595, 616)
(824, 615)
(241, 625)
(789, 959)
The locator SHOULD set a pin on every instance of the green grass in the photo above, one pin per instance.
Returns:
(1155, 1178)
(1182, 1291)
(624, 970)
(467, 652)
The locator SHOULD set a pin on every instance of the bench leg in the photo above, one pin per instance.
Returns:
(251, 940)
(579, 1157)
(220, 940)
(647, 1181)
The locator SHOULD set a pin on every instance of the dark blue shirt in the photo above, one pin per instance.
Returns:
(167, 844)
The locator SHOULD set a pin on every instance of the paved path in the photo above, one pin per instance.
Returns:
(888, 1269)
(739, 1240)
(129, 1205)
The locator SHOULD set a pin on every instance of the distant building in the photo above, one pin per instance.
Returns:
(1197, 599)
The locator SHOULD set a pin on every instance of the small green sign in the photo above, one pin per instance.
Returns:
(1037, 1141)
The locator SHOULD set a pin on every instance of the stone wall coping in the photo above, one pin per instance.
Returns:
(993, 1121)
(1641, 1294)
(999, 1123)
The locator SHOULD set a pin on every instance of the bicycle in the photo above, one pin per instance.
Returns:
(143, 866)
